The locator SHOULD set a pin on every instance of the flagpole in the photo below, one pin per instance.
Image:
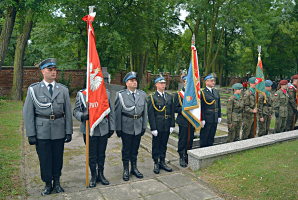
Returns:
(87, 104)
(256, 106)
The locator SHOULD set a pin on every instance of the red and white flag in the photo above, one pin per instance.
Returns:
(96, 94)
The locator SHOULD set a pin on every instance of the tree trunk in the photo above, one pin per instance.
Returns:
(143, 69)
(131, 61)
(16, 92)
(156, 56)
(6, 32)
(79, 58)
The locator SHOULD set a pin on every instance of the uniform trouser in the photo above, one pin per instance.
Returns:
(207, 134)
(290, 120)
(280, 124)
(97, 151)
(183, 136)
(159, 145)
(234, 132)
(265, 125)
(248, 127)
(130, 147)
(50, 154)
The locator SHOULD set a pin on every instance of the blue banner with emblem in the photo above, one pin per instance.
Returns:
(191, 108)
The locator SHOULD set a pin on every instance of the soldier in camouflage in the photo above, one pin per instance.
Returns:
(249, 99)
(265, 110)
(280, 106)
(234, 113)
(292, 105)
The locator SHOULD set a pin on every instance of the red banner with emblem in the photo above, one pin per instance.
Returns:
(96, 94)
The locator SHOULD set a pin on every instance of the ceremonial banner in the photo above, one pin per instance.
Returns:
(96, 94)
(191, 108)
(260, 81)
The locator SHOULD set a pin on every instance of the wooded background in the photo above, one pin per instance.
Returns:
(143, 35)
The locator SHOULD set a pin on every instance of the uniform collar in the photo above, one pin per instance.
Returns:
(160, 92)
(47, 84)
(210, 89)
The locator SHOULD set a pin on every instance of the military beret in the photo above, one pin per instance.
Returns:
(160, 79)
(283, 82)
(237, 86)
(209, 77)
(252, 80)
(130, 75)
(48, 63)
(184, 78)
(268, 83)
(295, 76)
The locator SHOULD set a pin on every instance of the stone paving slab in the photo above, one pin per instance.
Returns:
(124, 191)
(169, 195)
(87, 194)
(176, 180)
(195, 191)
(148, 187)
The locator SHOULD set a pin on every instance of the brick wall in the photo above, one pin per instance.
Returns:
(33, 74)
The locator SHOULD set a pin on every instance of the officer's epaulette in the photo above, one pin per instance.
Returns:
(141, 91)
(214, 88)
(120, 91)
(33, 84)
(63, 85)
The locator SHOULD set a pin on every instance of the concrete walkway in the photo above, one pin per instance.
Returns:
(173, 185)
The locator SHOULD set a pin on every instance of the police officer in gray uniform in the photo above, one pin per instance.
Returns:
(130, 122)
(48, 122)
(98, 142)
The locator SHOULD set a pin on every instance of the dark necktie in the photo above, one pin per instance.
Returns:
(133, 95)
(163, 96)
(50, 89)
(211, 90)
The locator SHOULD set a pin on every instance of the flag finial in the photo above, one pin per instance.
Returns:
(91, 9)
(193, 40)
(259, 50)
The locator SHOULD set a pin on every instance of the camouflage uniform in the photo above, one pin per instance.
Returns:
(292, 105)
(234, 117)
(264, 111)
(280, 102)
(249, 101)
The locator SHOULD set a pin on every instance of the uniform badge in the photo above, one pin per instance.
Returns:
(275, 94)
(291, 92)
(275, 100)
(159, 107)
(42, 85)
(229, 100)
(57, 86)
(244, 95)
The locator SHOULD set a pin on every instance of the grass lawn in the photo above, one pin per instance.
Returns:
(10, 148)
(224, 110)
(264, 173)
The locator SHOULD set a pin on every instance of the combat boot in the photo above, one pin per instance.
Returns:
(162, 165)
(92, 182)
(126, 171)
(134, 170)
(48, 189)
(182, 161)
(57, 186)
(156, 166)
(101, 178)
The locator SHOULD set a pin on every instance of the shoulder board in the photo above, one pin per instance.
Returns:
(120, 91)
(141, 91)
(62, 85)
(34, 84)
(214, 88)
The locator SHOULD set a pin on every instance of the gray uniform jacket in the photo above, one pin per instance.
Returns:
(103, 127)
(129, 125)
(46, 128)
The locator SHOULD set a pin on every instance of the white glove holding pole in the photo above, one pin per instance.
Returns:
(219, 120)
(154, 133)
(171, 129)
(203, 123)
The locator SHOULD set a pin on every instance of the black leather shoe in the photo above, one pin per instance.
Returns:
(182, 162)
(101, 178)
(134, 170)
(92, 182)
(56, 185)
(48, 189)
(126, 171)
(156, 167)
(162, 165)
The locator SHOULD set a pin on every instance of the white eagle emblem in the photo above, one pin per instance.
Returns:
(95, 80)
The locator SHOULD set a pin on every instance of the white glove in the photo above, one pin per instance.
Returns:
(171, 129)
(219, 120)
(203, 123)
(154, 133)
